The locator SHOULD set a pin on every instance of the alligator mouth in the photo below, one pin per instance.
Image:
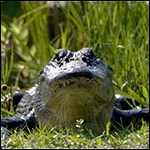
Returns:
(77, 74)
(77, 79)
(80, 83)
(76, 96)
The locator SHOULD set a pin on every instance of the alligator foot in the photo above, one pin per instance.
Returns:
(123, 118)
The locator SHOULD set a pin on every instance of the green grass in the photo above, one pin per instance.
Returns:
(69, 138)
(117, 32)
(119, 37)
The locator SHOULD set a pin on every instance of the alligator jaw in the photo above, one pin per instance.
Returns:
(74, 99)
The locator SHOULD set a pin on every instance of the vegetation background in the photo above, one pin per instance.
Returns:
(118, 32)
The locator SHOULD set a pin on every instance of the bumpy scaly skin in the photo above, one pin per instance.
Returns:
(74, 85)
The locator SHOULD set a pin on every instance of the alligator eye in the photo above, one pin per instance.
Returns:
(89, 53)
(92, 55)
(60, 54)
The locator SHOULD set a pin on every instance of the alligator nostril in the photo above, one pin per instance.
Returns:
(62, 53)
(90, 54)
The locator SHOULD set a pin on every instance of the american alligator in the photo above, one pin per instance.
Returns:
(73, 86)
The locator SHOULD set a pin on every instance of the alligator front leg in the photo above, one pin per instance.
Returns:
(123, 118)
(22, 122)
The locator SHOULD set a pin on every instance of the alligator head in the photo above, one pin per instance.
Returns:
(75, 85)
